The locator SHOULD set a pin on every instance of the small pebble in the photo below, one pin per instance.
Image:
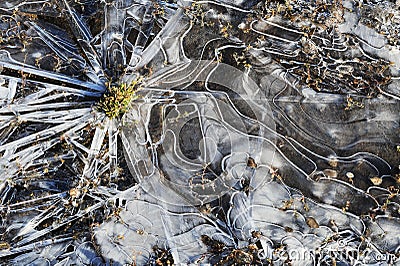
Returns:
(350, 175)
(376, 180)
(330, 173)
(311, 222)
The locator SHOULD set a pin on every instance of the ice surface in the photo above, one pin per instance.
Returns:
(259, 132)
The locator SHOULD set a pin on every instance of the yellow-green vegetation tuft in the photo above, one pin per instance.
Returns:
(115, 102)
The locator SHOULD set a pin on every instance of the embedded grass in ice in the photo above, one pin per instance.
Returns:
(115, 102)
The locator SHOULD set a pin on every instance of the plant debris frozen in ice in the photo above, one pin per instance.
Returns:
(116, 100)
(221, 132)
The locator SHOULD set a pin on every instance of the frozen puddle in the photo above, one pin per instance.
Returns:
(199, 133)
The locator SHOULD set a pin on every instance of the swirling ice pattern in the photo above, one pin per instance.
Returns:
(262, 133)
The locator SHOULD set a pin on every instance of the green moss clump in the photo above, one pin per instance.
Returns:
(115, 102)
